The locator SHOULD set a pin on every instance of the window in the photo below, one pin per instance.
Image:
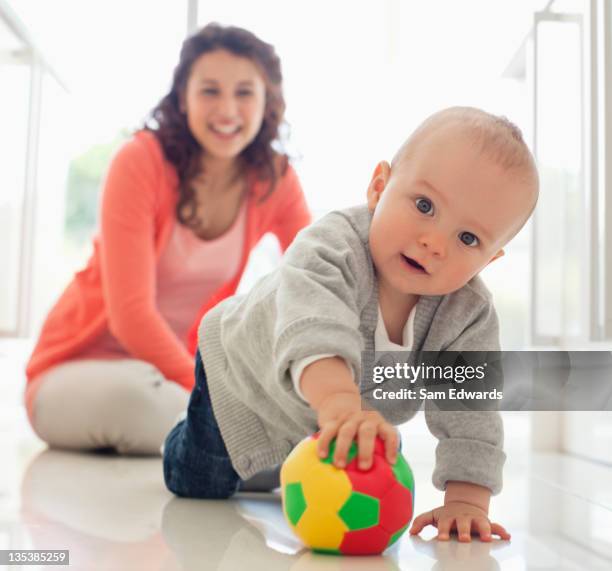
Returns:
(114, 69)
(15, 79)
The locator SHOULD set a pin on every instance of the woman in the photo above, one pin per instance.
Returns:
(184, 202)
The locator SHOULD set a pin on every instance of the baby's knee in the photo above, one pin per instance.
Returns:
(188, 477)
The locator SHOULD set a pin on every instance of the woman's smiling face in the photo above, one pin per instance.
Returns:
(224, 102)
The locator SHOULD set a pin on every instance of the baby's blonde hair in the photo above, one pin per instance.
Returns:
(497, 137)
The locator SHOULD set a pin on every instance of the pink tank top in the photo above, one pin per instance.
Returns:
(188, 272)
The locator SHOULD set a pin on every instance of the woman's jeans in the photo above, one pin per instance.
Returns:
(196, 462)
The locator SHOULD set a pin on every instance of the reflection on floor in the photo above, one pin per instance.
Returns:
(115, 514)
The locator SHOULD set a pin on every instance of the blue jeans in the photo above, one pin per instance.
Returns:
(196, 462)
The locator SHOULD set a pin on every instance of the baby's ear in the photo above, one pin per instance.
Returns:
(379, 181)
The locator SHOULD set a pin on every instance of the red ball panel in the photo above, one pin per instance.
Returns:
(371, 541)
(376, 482)
(396, 508)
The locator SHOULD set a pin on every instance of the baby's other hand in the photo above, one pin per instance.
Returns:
(463, 518)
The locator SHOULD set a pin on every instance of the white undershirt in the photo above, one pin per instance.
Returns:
(381, 343)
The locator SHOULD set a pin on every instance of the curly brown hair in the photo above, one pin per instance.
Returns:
(180, 147)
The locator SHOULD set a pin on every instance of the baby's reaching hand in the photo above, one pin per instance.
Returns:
(341, 417)
(328, 387)
(464, 518)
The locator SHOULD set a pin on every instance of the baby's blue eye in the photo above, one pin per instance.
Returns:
(424, 205)
(469, 239)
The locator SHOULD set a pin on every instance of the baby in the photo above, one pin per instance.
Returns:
(399, 273)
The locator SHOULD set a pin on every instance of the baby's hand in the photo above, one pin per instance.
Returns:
(464, 518)
(341, 416)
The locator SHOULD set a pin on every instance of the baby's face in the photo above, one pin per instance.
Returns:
(442, 214)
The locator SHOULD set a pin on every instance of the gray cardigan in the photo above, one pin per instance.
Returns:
(323, 298)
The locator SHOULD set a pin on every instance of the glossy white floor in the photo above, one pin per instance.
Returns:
(114, 513)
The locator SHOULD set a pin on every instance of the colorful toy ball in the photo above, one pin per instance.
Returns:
(346, 511)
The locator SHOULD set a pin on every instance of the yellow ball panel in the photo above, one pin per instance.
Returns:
(325, 486)
(321, 528)
(299, 461)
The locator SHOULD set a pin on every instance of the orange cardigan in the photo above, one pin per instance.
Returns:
(117, 287)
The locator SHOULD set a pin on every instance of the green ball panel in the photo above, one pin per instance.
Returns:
(295, 504)
(396, 536)
(360, 511)
(403, 473)
(327, 551)
(352, 452)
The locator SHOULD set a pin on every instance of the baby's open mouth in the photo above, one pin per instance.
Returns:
(414, 264)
